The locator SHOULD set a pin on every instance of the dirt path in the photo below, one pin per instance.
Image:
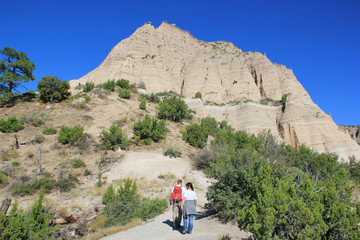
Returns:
(147, 166)
(205, 228)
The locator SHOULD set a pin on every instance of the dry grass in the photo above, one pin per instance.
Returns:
(102, 232)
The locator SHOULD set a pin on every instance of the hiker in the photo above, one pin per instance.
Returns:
(188, 206)
(175, 199)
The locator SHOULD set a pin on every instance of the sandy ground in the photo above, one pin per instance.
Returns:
(152, 164)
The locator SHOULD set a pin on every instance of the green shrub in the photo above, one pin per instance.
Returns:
(87, 172)
(196, 135)
(29, 95)
(198, 95)
(31, 187)
(150, 208)
(172, 153)
(173, 108)
(210, 124)
(125, 204)
(38, 220)
(151, 98)
(114, 139)
(109, 85)
(52, 89)
(71, 135)
(224, 125)
(65, 184)
(124, 93)
(279, 192)
(15, 164)
(32, 225)
(7, 97)
(77, 163)
(37, 122)
(3, 179)
(49, 131)
(89, 86)
(109, 196)
(142, 105)
(11, 125)
(151, 129)
(122, 83)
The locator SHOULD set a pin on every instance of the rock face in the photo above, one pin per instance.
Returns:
(353, 131)
(244, 88)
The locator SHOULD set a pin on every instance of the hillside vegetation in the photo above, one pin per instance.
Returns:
(60, 148)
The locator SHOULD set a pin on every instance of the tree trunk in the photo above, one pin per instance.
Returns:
(5, 206)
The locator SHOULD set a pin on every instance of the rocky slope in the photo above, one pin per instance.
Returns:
(244, 88)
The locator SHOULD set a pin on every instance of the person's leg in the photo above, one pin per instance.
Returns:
(185, 225)
(191, 220)
(174, 214)
(178, 215)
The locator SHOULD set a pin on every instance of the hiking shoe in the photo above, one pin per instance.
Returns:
(185, 231)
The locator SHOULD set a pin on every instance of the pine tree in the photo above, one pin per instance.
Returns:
(15, 68)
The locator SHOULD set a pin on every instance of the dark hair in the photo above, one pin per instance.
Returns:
(189, 184)
(179, 181)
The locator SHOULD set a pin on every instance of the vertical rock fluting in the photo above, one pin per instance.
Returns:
(170, 59)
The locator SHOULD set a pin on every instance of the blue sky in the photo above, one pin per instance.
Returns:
(319, 40)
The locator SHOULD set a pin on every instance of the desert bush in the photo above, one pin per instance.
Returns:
(210, 124)
(31, 225)
(28, 96)
(77, 163)
(15, 164)
(196, 135)
(52, 89)
(39, 139)
(65, 184)
(278, 192)
(31, 187)
(142, 105)
(141, 85)
(122, 83)
(49, 131)
(4, 179)
(10, 125)
(109, 196)
(173, 108)
(151, 98)
(89, 86)
(150, 208)
(224, 125)
(109, 85)
(124, 93)
(150, 129)
(172, 153)
(114, 139)
(125, 204)
(87, 172)
(198, 95)
(71, 135)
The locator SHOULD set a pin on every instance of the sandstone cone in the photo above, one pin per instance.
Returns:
(233, 85)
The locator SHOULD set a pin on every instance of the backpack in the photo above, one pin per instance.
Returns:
(177, 193)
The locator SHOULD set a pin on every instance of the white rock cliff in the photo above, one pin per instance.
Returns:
(235, 86)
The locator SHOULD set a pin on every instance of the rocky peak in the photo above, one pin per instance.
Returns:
(244, 88)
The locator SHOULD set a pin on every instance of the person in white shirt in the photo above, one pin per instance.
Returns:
(188, 205)
(176, 197)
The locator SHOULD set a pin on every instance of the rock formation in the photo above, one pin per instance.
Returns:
(244, 88)
(353, 131)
